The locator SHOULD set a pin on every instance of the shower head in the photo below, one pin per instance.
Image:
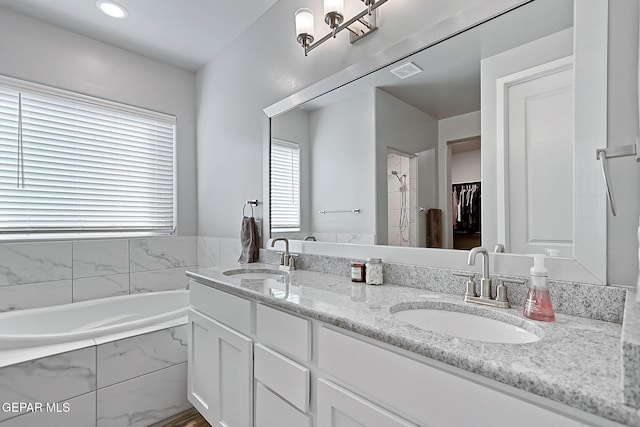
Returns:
(404, 175)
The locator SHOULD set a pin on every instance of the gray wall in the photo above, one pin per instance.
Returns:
(37, 52)
(342, 166)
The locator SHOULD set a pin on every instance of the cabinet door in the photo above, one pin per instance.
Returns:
(220, 373)
(338, 407)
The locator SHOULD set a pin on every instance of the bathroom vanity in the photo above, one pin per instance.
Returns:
(313, 349)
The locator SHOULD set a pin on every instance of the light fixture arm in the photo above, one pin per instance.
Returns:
(372, 5)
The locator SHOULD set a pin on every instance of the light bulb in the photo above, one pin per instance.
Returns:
(304, 22)
(334, 6)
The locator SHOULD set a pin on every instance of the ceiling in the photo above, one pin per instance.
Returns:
(187, 34)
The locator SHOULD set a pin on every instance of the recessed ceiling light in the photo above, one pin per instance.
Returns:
(112, 9)
(406, 70)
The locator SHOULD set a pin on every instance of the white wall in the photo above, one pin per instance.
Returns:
(403, 127)
(622, 243)
(451, 129)
(465, 167)
(37, 52)
(342, 166)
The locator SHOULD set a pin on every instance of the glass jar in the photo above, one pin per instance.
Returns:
(357, 271)
(374, 271)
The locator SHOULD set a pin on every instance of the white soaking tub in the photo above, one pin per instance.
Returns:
(89, 320)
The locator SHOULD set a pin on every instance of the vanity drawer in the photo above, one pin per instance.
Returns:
(431, 395)
(231, 310)
(272, 411)
(285, 377)
(284, 331)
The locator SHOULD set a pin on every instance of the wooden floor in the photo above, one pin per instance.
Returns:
(188, 418)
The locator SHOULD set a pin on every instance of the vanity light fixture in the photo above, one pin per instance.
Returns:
(360, 26)
(112, 9)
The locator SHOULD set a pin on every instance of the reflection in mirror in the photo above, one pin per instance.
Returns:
(466, 143)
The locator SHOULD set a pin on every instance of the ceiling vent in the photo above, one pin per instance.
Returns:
(406, 70)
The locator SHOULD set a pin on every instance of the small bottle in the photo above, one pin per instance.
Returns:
(357, 271)
(538, 304)
(374, 271)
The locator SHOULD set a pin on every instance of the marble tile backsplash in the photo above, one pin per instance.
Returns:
(576, 299)
(41, 274)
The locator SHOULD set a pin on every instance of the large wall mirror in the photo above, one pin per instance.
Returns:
(469, 142)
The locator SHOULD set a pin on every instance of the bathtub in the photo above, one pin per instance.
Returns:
(90, 320)
(107, 359)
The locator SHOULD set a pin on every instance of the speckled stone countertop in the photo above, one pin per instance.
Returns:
(576, 362)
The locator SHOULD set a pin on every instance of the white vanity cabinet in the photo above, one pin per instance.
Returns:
(220, 362)
(252, 365)
(338, 407)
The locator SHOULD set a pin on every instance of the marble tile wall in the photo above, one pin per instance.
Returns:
(41, 274)
(576, 299)
(135, 381)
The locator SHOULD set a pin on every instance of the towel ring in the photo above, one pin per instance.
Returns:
(251, 203)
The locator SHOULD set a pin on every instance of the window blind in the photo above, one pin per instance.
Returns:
(74, 164)
(285, 185)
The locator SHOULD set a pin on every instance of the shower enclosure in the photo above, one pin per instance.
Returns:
(402, 198)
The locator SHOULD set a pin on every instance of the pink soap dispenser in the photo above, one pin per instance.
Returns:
(538, 304)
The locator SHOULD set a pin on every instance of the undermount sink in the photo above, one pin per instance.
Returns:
(466, 325)
(255, 274)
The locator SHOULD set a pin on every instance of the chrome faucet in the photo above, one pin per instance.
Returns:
(484, 298)
(286, 259)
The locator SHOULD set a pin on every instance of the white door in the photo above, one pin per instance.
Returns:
(338, 407)
(537, 140)
(220, 372)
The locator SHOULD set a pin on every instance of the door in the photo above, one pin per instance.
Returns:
(220, 372)
(536, 138)
(338, 407)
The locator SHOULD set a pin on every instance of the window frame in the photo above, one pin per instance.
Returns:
(283, 229)
(114, 106)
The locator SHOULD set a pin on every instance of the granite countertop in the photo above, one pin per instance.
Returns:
(576, 362)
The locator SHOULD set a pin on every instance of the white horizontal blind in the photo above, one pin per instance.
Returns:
(70, 164)
(285, 185)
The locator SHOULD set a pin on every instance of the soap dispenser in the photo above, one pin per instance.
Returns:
(538, 304)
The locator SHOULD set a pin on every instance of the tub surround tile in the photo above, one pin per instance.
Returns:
(130, 403)
(24, 263)
(631, 351)
(100, 287)
(100, 258)
(49, 379)
(82, 413)
(35, 295)
(208, 251)
(230, 250)
(158, 280)
(577, 362)
(128, 358)
(162, 253)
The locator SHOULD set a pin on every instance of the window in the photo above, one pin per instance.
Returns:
(72, 164)
(285, 185)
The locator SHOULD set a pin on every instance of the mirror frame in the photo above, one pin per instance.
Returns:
(589, 264)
